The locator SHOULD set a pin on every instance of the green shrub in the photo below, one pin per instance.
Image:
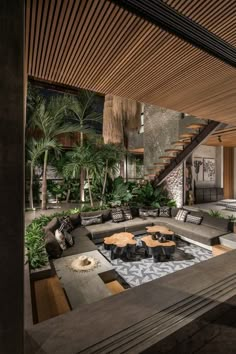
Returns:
(34, 238)
(215, 213)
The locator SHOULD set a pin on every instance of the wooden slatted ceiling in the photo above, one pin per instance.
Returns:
(94, 44)
(228, 138)
(218, 16)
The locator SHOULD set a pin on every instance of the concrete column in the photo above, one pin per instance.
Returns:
(11, 175)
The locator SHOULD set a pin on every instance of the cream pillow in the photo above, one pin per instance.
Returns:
(60, 239)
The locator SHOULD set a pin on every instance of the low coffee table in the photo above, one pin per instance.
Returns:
(120, 244)
(157, 249)
(160, 229)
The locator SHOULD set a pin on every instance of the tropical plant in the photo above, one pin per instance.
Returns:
(111, 155)
(120, 193)
(88, 158)
(147, 195)
(81, 112)
(35, 148)
(215, 213)
(48, 118)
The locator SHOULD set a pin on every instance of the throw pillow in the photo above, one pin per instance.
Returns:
(165, 211)
(154, 213)
(60, 239)
(91, 220)
(143, 213)
(194, 219)
(66, 224)
(181, 215)
(52, 246)
(117, 215)
(127, 214)
(68, 238)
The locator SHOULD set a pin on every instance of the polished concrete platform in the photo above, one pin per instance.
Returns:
(171, 310)
(83, 287)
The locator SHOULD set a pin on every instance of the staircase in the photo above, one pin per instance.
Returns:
(181, 149)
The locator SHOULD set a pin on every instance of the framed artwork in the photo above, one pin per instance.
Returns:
(198, 168)
(209, 169)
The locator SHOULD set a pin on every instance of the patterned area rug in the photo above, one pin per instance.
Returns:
(141, 271)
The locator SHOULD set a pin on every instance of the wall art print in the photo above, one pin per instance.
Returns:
(209, 169)
(198, 168)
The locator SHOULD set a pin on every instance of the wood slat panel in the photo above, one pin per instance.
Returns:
(97, 45)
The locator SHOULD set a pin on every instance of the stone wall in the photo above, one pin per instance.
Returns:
(174, 183)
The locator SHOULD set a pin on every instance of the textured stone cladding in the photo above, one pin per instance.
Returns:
(161, 128)
(174, 184)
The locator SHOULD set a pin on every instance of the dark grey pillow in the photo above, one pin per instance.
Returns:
(75, 220)
(197, 220)
(66, 224)
(117, 215)
(52, 246)
(127, 213)
(91, 220)
(153, 213)
(143, 213)
(165, 211)
(68, 237)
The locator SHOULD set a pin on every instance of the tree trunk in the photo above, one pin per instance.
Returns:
(82, 173)
(104, 183)
(31, 197)
(68, 196)
(89, 188)
(44, 181)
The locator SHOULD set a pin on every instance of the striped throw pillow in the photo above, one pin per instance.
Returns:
(117, 215)
(194, 219)
(181, 215)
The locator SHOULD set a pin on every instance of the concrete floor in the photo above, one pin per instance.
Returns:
(214, 206)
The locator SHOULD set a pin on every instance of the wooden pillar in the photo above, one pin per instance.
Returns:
(12, 112)
(228, 172)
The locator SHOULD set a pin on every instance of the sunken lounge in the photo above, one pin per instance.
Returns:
(117, 160)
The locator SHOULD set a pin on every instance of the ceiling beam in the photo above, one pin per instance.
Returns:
(171, 20)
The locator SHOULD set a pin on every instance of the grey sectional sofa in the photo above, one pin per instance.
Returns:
(207, 234)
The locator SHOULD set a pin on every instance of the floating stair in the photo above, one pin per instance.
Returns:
(188, 142)
(161, 163)
(166, 157)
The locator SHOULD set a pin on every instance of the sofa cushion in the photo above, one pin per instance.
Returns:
(82, 243)
(117, 215)
(181, 215)
(91, 220)
(127, 213)
(52, 246)
(75, 220)
(212, 221)
(165, 211)
(52, 225)
(194, 219)
(98, 232)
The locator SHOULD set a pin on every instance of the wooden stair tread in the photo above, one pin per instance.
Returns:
(166, 157)
(196, 126)
(161, 163)
(115, 287)
(187, 135)
(50, 298)
(180, 143)
(173, 150)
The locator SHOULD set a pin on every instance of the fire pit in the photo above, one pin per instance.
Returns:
(84, 263)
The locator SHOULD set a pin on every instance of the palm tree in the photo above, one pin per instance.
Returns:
(88, 158)
(49, 119)
(35, 148)
(111, 155)
(81, 112)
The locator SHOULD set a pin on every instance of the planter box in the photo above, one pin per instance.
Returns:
(44, 272)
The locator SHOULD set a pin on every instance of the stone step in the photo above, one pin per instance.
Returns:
(228, 240)
(165, 322)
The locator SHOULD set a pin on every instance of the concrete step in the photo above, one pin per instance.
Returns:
(228, 240)
(164, 323)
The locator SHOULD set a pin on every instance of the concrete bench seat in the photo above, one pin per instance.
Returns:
(228, 240)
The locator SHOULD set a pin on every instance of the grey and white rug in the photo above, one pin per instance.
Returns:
(142, 271)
